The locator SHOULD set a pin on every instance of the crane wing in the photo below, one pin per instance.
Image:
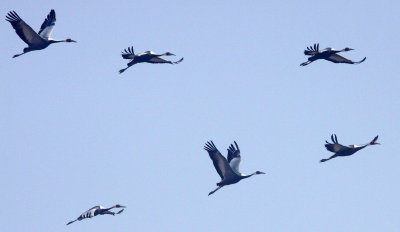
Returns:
(158, 60)
(234, 157)
(335, 146)
(23, 30)
(219, 161)
(311, 51)
(90, 212)
(48, 25)
(128, 53)
(335, 58)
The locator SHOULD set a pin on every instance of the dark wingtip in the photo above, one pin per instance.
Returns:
(374, 140)
(120, 211)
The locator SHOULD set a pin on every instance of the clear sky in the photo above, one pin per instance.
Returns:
(76, 134)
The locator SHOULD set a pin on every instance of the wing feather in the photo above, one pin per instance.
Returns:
(158, 60)
(128, 53)
(90, 212)
(335, 58)
(23, 30)
(234, 157)
(48, 25)
(219, 161)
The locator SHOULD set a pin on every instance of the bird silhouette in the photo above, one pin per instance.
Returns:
(146, 57)
(228, 170)
(35, 41)
(98, 210)
(341, 150)
(329, 54)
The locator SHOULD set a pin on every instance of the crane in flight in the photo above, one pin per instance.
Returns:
(329, 54)
(341, 150)
(35, 41)
(228, 169)
(98, 210)
(146, 57)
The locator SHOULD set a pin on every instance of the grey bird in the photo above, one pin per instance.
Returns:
(35, 41)
(228, 169)
(146, 57)
(329, 54)
(341, 150)
(98, 210)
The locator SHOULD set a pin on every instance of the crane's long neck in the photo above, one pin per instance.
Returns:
(112, 207)
(247, 176)
(57, 41)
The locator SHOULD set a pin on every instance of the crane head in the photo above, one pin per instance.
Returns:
(258, 172)
(70, 40)
(348, 49)
(119, 206)
(169, 54)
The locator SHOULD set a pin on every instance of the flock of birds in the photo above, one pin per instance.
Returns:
(227, 168)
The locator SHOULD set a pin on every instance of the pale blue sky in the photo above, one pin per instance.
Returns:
(77, 134)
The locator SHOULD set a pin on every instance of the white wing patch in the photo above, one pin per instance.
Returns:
(46, 33)
(235, 162)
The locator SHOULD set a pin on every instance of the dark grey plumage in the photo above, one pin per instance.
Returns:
(35, 41)
(341, 150)
(228, 170)
(146, 57)
(329, 54)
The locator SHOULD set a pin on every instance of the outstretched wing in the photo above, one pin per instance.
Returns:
(234, 157)
(335, 146)
(23, 30)
(335, 58)
(158, 60)
(48, 25)
(311, 51)
(219, 161)
(90, 212)
(128, 53)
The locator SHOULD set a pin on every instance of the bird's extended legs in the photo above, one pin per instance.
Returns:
(18, 54)
(123, 70)
(72, 221)
(305, 63)
(214, 190)
(323, 160)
